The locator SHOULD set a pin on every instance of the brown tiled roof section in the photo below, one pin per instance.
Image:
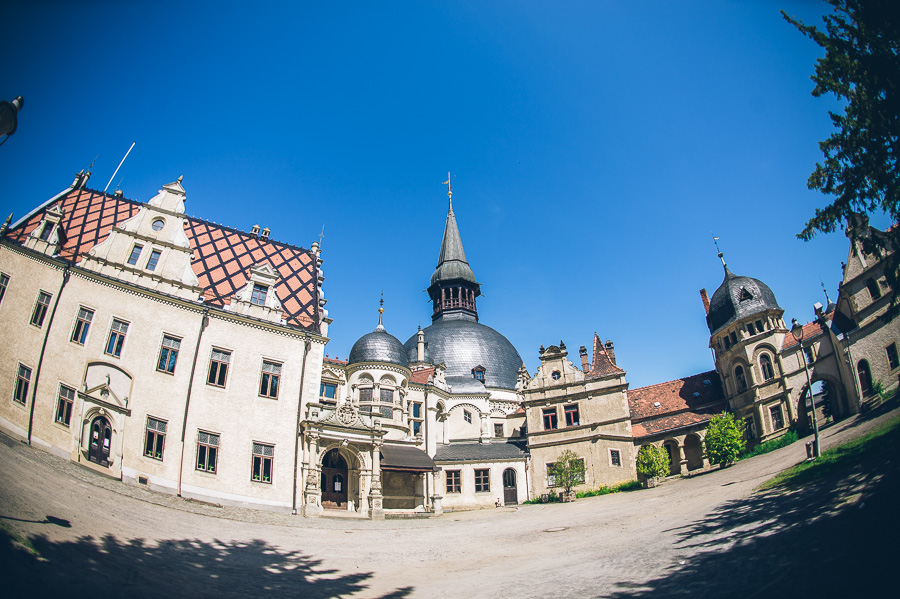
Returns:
(678, 406)
(602, 364)
(421, 376)
(88, 217)
(810, 330)
(338, 361)
(222, 256)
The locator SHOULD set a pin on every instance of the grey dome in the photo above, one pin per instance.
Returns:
(736, 298)
(463, 344)
(378, 346)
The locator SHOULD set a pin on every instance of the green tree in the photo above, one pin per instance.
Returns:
(724, 439)
(568, 470)
(652, 461)
(861, 67)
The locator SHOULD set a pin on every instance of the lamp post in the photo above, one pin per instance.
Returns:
(797, 332)
(8, 116)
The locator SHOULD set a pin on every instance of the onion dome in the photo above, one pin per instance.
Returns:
(737, 298)
(378, 346)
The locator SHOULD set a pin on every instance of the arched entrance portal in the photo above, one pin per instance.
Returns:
(693, 452)
(334, 480)
(865, 379)
(510, 492)
(101, 434)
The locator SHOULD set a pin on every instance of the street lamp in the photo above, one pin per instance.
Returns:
(8, 116)
(797, 332)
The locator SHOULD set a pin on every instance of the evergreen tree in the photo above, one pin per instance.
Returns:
(861, 66)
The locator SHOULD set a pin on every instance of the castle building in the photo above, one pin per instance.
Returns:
(172, 352)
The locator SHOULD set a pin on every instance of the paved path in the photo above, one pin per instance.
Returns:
(704, 536)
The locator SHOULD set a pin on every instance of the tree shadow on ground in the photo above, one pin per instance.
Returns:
(831, 537)
(112, 567)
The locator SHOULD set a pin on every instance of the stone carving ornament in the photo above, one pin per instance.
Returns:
(346, 414)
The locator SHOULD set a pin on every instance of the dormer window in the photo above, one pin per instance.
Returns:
(135, 254)
(153, 260)
(46, 230)
(258, 296)
(745, 295)
(478, 373)
(874, 291)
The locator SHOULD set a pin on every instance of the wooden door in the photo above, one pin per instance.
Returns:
(510, 492)
(101, 435)
(334, 480)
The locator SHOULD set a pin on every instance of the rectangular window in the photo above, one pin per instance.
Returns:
(271, 375)
(117, 333)
(387, 395)
(891, 350)
(82, 324)
(482, 481)
(417, 428)
(168, 354)
(777, 418)
(467, 416)
(218, 367)
(579, 474)
(328, 390)
(207, 451)
(551, 477)
(417, 410)
(733, 337)
(571, 415)
(4, 281)
(262, 463)
(810, 355)
(454, 481)
(550, 421)
(365, 394)
(153, 260)
(156, 438)
(615, 458)
(749, 428)
(40, 308)
(64, 405)
(23, 379)
(874, 291)
(751, 329)
(498, 430)
(759, 326)
(135, 254)
(45, 231)
(258, 296)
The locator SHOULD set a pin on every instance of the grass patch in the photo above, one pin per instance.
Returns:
(782, 441)
(631, 485)
(17, 539)
(879, 443)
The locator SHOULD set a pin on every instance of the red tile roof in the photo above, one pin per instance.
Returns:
(222, 256)
(335, 361)
(603, 364)
(678, 405)
(421, 376)
(810, 330)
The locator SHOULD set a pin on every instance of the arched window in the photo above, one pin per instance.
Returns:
(765, 366)
(739, 379)
(865, 378)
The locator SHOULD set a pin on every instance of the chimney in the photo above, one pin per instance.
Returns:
(705, 299)
(610, 351)
(77, 180)
(254, 230)
(84, 180)
(585, 366)
(118, 193)
(265, 233)
(420, 345)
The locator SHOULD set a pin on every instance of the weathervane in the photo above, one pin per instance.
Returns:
(381, 308)
(449, 189)
(321, 236)
(721, 255)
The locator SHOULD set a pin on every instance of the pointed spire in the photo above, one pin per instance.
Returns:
(380, 326)
(721, 255)
(452, 263)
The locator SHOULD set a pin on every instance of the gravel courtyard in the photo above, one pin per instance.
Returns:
(707, 536)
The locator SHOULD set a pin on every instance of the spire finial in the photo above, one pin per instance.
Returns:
(721, 255)
(381, 309)
(449, 189)
(827, 299)
(321, 236)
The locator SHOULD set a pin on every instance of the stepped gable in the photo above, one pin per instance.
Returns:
(222, 256)
(682, 402)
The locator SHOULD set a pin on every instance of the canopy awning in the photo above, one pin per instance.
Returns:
(405, 459)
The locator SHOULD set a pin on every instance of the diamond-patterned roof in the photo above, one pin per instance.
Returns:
(222, 256)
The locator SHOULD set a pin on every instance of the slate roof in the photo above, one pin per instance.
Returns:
(736, 298)
(402, 457)
(603, 364)
(475, 452)
(678, 406)
(222, 256)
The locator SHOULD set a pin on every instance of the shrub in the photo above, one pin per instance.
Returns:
(724, 439)
(568, 470)
(631, 485)
(783, 441)
(652, 461)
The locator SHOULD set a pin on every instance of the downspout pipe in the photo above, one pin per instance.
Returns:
(37, 374)
(204, 322)
(306, 345)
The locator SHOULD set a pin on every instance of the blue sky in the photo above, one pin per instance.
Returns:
(594, 145)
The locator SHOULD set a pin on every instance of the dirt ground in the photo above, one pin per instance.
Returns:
(706, 536)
